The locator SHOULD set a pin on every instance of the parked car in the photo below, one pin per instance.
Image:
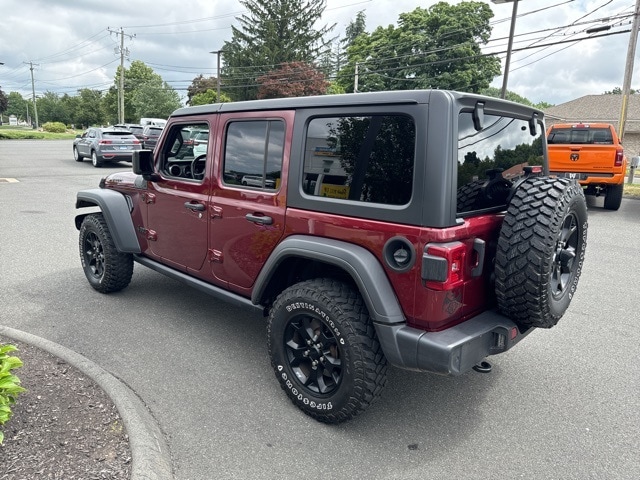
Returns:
(137, 130)
(200, 143)
(105, 145)
(382, 242)
(258, 181)
(150, 136)
(591, 154)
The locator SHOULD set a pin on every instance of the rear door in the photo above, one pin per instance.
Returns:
(248, 220)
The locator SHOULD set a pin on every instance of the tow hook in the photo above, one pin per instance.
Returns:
(483, 367)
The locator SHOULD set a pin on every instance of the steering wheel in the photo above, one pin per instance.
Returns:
(198, 165)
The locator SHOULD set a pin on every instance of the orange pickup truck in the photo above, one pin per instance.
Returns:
(592, 154)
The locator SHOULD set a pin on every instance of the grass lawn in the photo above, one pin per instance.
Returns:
(632, 190)
(25, 133)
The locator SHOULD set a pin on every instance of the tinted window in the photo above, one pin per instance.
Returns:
(580, 135)
(489, 159)
(365, 159)
(253, 153)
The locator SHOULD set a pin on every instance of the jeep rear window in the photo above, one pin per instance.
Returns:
(491, 158)
(365, 159)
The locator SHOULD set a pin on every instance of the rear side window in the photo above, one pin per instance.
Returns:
(253, 154)
(598, 136)
(363, 158)
(491, 158)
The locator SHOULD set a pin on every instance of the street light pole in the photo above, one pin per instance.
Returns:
(507, 64)
(218, 53)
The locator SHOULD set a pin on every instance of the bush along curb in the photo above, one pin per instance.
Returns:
(9, 383)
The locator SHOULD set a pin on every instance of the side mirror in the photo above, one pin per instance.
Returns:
(142, 163)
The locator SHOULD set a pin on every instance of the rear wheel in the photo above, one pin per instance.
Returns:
(324, 350)
(613, 197)
(95, 160)
(107, 269)
(541, 251)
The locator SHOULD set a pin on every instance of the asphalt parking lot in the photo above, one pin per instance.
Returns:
(564, 404)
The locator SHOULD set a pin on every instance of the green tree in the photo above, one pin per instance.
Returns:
(200, 85)
(16, 105)
(438, 47)
(48, 107)
(4, 103)
(292, 79)
(618, 91)
(88, 109)
(145, 95)
(271, 33)
(210, 96)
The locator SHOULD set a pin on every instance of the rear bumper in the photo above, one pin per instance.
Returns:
(453, 351)
(593, 178)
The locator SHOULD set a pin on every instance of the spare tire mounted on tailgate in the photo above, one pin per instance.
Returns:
(541, 251)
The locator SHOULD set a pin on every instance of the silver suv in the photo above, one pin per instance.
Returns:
(105, 145)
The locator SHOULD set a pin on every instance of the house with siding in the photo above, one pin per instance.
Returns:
(604, 109)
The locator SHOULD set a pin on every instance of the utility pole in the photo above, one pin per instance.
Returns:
(628, 71)
(123, 52)
(33, 91)
(218, 54)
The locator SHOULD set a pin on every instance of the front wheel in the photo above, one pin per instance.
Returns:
(107, 269)
(324, 350)
(76, 155)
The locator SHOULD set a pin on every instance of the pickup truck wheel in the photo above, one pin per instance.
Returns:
(541, 251)
(324, 350)
(107, 269)
(94, 160)
(613, 197)
(76, 155)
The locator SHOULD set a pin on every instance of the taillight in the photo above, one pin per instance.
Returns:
(619, 157)
(136, 141)
(105, 142)
(443, 265)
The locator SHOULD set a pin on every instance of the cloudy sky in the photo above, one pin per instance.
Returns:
(556, 57)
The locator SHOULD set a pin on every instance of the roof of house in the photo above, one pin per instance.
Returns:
(597, 108)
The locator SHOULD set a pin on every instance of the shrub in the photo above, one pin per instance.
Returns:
(9, 384)
(54, 127)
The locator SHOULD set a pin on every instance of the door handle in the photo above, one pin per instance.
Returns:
(261, 219)
(196, 207)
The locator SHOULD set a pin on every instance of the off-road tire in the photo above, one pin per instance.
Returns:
(541, 251)
(613, 197)
(351, 368)
(107, 269)
(76, 155)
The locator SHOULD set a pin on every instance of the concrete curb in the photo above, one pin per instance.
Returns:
(149, 451)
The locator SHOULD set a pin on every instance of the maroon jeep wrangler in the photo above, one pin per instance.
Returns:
(406, 227)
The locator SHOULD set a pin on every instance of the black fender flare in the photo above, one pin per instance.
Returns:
(363, 267)
(117, 213)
